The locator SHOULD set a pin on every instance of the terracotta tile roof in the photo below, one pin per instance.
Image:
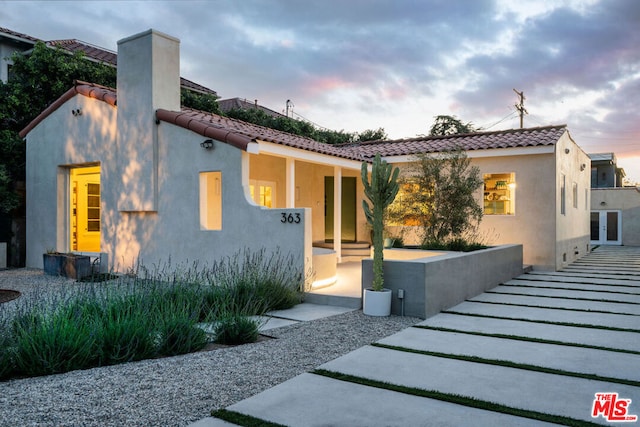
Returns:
(203, 122)
(240, 134)
(90, 90)
(242, 104)
(530, 137)
(95, 53)
(18, 36)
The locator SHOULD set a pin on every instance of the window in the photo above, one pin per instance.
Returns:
(575, 195)
(500, 193)
(563, 195)
(93, 207)
(263, 192)
(211, 200)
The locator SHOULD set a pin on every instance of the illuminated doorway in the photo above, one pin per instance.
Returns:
(85, 209)
(347, 207)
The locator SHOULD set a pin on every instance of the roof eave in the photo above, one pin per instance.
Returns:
(183, 120)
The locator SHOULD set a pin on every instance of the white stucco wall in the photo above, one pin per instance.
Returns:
(59, 142)
(537, 224)
(626, 200)
(573, 227)
(174, 230)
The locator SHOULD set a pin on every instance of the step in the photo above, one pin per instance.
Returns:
(333, 300)
(344, 245)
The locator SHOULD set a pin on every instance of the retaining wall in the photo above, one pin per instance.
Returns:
(436, 283)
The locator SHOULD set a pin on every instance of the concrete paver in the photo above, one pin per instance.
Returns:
(306, 312)
(571, 359)
(611, 294)
(621, 340)
(606, 320)
(608, 280)
(516, 388)
(314, 400)
(559, 302)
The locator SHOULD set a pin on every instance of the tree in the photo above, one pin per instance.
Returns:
(294, 126)
(372, 135)
(381, 191)
(36, 81)
(438, 196)
(450, 125)
(41, 77)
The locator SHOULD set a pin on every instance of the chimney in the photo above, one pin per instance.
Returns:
(148, 79)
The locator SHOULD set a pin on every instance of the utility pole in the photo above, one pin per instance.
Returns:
(289, 103)
(520, 107)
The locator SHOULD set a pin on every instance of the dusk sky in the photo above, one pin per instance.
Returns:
(354, 64)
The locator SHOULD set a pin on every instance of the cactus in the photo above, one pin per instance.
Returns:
(381, 191)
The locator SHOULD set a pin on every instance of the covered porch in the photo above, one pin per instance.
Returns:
(286, 177)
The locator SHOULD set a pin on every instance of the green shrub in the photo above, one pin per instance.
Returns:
(151, 314)
(54, 343)
(455, 244)
(178, 335)
(7, 349)
(257, 282)
(236, 329)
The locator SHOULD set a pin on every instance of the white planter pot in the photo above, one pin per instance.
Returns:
(377, 303)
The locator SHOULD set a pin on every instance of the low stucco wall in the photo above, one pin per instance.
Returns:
(436, 283)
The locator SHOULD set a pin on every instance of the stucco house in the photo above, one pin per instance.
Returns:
(128, 174)
(615, 210)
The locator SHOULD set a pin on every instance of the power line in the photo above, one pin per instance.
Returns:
(508, 116)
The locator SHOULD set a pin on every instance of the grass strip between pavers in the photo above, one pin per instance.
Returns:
(508, 364)
(560, 288)
(562, 297)
(456, 398)
(532, 279)
(528, 339)
(544, 322)
(582, 310)
(242, 419)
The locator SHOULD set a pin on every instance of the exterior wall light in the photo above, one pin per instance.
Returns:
(603, 203)
(566, 150)
(207, 144)
(77, 112)
(582, 167)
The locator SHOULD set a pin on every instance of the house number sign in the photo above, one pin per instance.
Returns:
(290, 218)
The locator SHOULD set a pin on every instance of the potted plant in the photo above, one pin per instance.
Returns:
(69, 265)
(381, 191)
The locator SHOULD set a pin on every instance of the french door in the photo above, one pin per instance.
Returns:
(606, 228)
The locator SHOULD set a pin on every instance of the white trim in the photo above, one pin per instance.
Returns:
(337, 212)
(305, 155)
(478, 154)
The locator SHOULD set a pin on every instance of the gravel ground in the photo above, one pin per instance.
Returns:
(178, 390)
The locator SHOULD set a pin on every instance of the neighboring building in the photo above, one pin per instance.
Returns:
(615, 210)
(605, 172)
(242, 104)
(149, 180)
(11, 41)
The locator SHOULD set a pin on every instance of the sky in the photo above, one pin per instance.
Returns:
(354, 65)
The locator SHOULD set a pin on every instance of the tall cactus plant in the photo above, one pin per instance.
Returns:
(381, 191)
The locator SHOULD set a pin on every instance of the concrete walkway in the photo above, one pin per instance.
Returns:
(542, 344)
